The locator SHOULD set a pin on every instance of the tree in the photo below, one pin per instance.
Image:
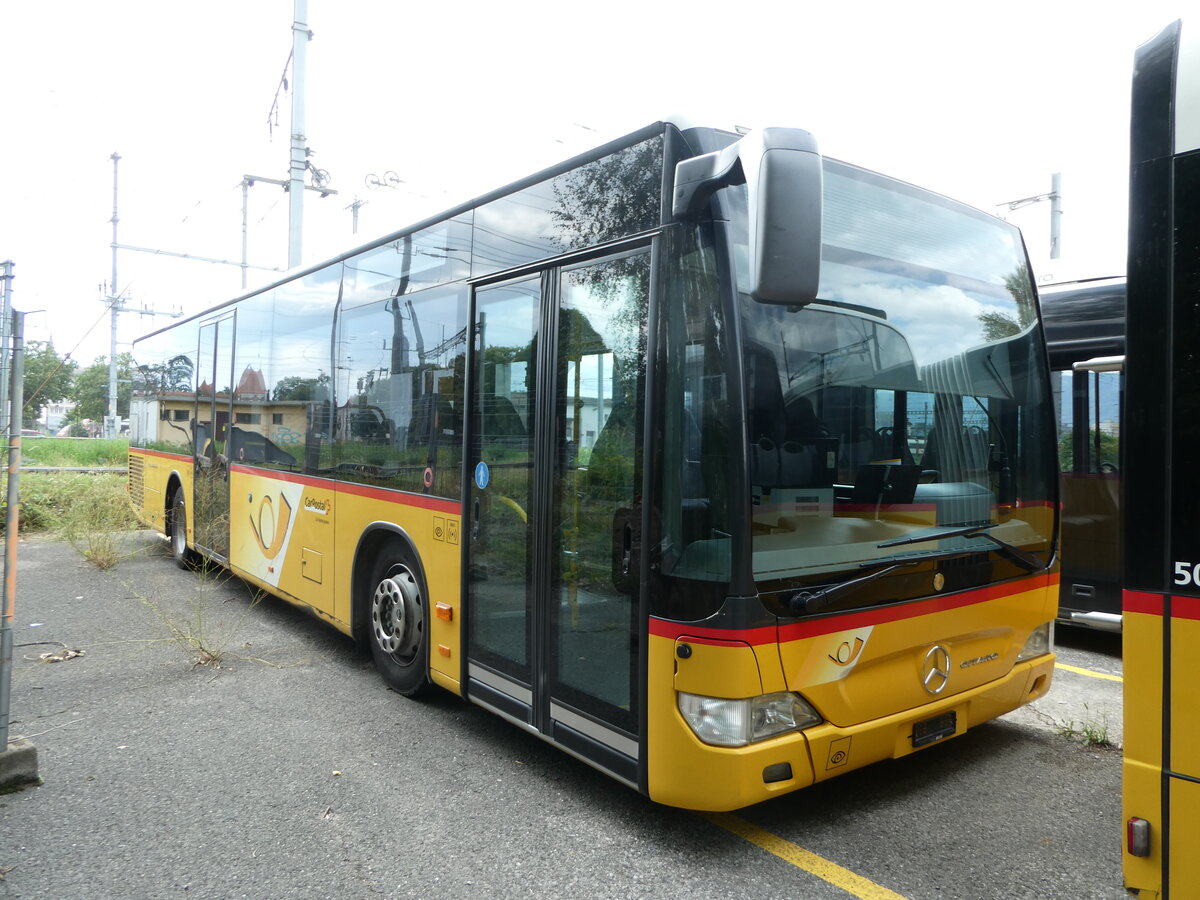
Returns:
(48, 378)
(91, 389)
(297, 387)
(997, 325)
(173, 375)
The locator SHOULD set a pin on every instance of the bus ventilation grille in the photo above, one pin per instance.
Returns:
(136, 480)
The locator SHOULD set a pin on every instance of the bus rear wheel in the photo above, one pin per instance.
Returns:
(398, 624)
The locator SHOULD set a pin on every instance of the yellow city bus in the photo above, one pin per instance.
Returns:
(722, 466)
(1161, 481)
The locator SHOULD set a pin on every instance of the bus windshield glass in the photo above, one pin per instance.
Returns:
(908, 400)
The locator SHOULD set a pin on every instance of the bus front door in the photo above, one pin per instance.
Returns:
(553, 601)
(214, 395)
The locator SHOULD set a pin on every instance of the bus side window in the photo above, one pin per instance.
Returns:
(1062, 387)
(1104, 432)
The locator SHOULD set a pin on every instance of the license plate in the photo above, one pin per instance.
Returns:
(934, 729)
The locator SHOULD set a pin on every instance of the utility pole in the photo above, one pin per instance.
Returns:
(116, 305)
(18, 759)
(299, 152)
(1055, 198)
(354, 208)
(320, 178)
(5, 317)
(111, 427)
(1055, 214)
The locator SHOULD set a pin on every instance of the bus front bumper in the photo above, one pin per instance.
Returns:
(687, 773)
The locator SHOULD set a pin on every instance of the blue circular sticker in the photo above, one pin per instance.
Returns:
(482, 475)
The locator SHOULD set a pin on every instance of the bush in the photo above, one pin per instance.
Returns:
(92, 512)
(44, 499)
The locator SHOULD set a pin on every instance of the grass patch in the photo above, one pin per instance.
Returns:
(74, 452)
(1089, 732)
(92, 512)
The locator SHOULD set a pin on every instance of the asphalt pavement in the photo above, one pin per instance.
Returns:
(289, 770)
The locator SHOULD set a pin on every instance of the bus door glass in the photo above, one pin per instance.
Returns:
(1089, 452)
(214, 395)
(555, 510)
(500, 566)
(596, 506)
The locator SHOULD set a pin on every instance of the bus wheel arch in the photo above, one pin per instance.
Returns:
(391, 609)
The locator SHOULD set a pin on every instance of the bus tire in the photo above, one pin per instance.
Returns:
(184, 556)
(398, 622)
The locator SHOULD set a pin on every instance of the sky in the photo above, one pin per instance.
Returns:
(444, 102)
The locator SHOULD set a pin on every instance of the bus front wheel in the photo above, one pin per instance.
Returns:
(398, 623)
(185, 557)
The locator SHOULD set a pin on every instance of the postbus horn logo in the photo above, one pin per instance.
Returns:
(271, 527)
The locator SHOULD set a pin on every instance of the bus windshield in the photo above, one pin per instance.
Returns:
(908, 397)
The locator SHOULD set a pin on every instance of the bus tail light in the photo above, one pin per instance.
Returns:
(1040, 642)
(1137, 837)
(735, 723)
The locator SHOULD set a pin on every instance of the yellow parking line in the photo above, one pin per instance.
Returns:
(1078, 671)
(848, 881)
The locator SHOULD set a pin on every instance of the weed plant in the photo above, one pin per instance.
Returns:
(1089, 732)
(206, 624)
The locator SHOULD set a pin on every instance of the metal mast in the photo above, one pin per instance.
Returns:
(110, 421)
(299, 153)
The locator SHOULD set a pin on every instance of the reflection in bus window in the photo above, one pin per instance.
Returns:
(925, 377)
(399, 389)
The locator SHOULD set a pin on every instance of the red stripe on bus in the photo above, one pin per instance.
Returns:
(1185, 607)
(713, 637)
(1142, 602)
(831, 624)
(421, 501)
(181, 457)
(437, 504)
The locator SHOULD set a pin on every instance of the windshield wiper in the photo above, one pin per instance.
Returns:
(804, 602)
(1016, 554)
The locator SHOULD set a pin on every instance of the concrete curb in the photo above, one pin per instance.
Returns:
(18, 764)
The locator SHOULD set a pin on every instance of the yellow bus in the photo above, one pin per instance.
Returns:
(723, 466)
(1160, 478)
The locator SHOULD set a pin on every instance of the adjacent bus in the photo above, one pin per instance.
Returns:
(1085, 337)
(1161, 477)
(720, 465)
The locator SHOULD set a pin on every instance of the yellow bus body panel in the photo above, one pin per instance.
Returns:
(298, 538)
(1185, 700)
(434, 526)
(898, 639)
(1142, 638)
(860, 666)
(1146, 755)
(1184, 865)
(150, 472)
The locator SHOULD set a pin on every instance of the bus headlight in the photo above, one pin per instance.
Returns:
(1040, 642)
(735, 723)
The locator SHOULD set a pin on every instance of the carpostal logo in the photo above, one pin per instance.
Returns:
(320, 507)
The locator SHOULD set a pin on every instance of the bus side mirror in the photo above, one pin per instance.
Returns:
(781, 168)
